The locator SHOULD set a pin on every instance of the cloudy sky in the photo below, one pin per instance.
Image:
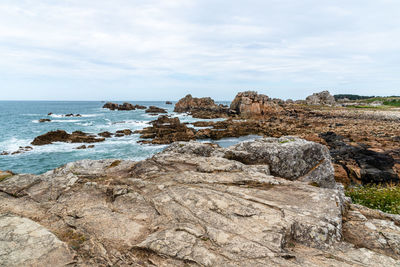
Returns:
(163, 49)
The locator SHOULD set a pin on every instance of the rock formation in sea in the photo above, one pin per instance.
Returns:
(166, 130)
(271, 202)
(322, 98)
(204, 107)
(251, 103)
(63, 136)
(155, 110)
(124, 106)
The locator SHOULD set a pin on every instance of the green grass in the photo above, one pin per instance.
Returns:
(384, 198)
(393, 103)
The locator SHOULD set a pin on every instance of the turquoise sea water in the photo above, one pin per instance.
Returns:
(19, 126)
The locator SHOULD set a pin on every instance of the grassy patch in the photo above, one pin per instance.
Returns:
(384, 198)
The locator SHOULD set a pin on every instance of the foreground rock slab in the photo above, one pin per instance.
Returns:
(24, 242)
(193, 205)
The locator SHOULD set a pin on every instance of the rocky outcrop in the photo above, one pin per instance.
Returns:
(124, 106)
(190, 205)
(168, 102)
(322, 98)
(155, 110)
(361, 164)
(63, 136)
(24, 242)
(44, 120)
(204, 107)
(166, 130)
(251, 103)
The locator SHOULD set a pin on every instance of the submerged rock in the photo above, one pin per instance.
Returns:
(189, 205)
(168, 103)
(44, 120)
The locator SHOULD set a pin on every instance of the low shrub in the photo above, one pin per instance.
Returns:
(384, 198)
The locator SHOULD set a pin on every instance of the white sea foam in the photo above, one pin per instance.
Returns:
(65, 121)
(13, 144)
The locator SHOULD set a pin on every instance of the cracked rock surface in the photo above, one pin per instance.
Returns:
(270, 202)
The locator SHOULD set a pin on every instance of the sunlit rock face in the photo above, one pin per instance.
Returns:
(194, 204)
(251, 103)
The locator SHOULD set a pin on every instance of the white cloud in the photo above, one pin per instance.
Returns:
(291, 47)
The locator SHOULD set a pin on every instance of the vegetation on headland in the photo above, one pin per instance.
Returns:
(384, 198)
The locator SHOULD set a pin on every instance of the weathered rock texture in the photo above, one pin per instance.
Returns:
(191, 206)
(204, 107)
(322, 98)
(63, 136)
(251, 103)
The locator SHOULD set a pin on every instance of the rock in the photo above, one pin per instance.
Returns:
(124, 132)
(140, 107)
(24, 242)
(204, 107)
(105, 134)
(322, 98)
(251, 103)
(119, 135)
(289, 157)
(4, 153)
(90, 146)
(5, 174)
(124, 106)
(73, 115)
(63, 136)
(81, 147)
(362, 164)
(168, 103)
(44, 120)
(188, 205)
(49, 114)
(166, 130)
(155, 110)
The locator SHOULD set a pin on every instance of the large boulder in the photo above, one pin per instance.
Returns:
(204, 107)
(155, 110)
(190, 205)
(251, 103)
(322, 98)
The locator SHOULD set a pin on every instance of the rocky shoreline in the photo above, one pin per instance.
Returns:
(269, 202)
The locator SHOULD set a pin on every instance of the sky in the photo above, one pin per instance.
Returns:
(165, 49)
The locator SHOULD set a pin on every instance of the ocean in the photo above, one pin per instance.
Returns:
(19, 125)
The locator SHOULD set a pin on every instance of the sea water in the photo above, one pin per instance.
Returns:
(19, 125)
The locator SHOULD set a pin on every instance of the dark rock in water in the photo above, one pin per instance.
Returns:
(166, 130)
(362, 164)
(124, 132)
(168, 103)
(63, 136)
(251, 103)
(140, 107)
(90, 146)
(81, 147)
(119, 135)
(124, 106)
(49, 114)
(73, 115)
(201, 107)
(155, 110)
(105, 134)
(44, 120)
(4, 153)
